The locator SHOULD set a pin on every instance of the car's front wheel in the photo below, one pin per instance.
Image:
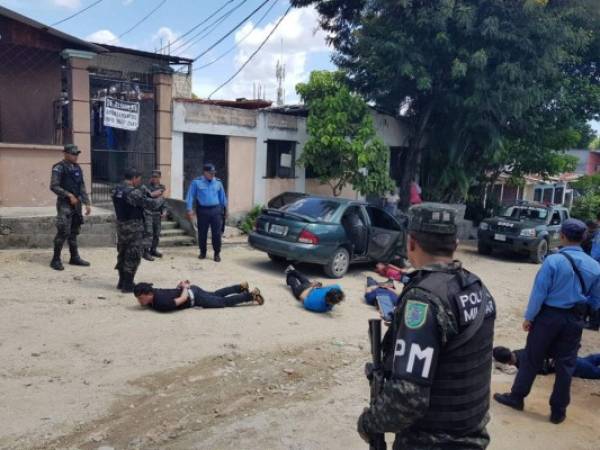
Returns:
(339, 264)
(540, 252)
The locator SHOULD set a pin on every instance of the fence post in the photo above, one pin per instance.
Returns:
(79, 107)
(163, 96)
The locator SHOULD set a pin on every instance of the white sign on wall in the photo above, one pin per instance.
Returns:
(121, 114)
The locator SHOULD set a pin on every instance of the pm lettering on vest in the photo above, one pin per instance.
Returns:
(417, 362)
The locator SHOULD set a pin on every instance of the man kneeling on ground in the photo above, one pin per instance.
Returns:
(587, 367)
(313, 295)
(187, 295)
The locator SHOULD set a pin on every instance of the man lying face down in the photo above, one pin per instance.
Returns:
(187, 295)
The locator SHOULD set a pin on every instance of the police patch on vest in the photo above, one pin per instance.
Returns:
(415, 314)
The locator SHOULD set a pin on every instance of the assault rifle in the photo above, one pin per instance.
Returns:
(374, 372)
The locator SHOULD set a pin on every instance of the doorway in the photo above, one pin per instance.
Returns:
(199, 149)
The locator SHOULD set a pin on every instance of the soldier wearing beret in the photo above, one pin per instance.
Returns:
(566, 285)
(437, 353)
(152, 218)
(68, 185)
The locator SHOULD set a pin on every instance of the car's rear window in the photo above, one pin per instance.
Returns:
(315, 208)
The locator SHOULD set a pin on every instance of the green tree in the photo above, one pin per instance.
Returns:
(481, 84)
(587, 206)
(342, 147)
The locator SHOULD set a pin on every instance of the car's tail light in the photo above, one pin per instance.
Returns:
(306, 237)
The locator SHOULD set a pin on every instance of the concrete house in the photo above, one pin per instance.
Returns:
(255, 148)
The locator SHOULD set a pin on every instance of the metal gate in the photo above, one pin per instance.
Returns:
(115, 149)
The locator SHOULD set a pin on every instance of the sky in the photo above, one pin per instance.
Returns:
(298, 42)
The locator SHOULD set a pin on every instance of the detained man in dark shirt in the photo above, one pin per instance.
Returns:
(187, 295)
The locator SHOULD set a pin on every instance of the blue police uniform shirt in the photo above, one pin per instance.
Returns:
(557, 285)
(206, 193)
(371, 297)
(595, 253)
(315, 301)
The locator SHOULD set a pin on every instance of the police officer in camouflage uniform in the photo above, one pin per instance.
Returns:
(67, 183)
(437, 352)
(152, 218)
(129, 202)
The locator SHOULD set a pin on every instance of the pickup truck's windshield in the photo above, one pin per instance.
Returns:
(525, 213)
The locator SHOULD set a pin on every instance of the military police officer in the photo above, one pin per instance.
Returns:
(152, 218)
(129, 202)
(565, 285)
(207, 194)
(67, 183)
(438, 349)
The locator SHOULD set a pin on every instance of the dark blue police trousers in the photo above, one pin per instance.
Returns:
(209, 216)
(556, 333)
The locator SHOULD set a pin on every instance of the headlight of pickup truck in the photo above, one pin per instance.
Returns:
(528, 232)
(484, 226)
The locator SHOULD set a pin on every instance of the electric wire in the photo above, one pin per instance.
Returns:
(237, 44)
(191, 30)
(222, 38)
(207, 30)
(142, 20)
(253, 54)
(75, 14)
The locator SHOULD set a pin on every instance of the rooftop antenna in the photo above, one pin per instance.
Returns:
(280, 75)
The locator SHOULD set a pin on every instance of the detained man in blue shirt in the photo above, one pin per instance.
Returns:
(207, 195)
(313, 295)
(565, 285)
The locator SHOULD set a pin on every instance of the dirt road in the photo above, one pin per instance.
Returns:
(84, 367)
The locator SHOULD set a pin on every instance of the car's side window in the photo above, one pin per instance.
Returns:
(381, 219)
(556, 220)
(564, 215)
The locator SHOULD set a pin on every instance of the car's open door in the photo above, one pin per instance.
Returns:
(386, 235)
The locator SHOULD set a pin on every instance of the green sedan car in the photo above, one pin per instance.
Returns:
(331, 232)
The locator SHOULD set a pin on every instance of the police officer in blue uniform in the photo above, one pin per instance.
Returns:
(567, 282)
(207, 195)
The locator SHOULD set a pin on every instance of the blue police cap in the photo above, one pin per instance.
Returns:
(573, 229)
(209, 167)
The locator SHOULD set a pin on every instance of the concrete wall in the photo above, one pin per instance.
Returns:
(25, 174)
(242, 154)
(24, 228)
(314, 187)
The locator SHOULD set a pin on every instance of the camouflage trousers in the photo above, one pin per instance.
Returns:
(68, 224)
(152, 228)
(129, 245)
(420, 439)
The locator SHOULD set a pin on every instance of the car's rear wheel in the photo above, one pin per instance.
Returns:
(483, 248)
(339, 264)
(540, 252)
(276, 258)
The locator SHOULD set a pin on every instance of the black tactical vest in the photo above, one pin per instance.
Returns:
(72, 179)
(460, 392)
(124, 210)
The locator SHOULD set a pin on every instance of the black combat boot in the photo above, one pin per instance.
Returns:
(120, 283)
(56, 263)
(147, 256)
(127, 283)
(75, 258)
(155, 252)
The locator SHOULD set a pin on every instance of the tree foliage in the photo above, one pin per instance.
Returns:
(342, 147)
(482, 84)
(587, 206)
